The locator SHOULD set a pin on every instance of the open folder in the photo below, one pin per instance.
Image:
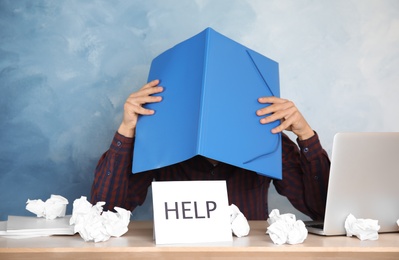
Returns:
(211, 90)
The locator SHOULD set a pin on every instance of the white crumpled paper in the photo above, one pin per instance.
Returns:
(285, 228)
(52, 208)
(364, 229)
(93, 224)
(239, 223)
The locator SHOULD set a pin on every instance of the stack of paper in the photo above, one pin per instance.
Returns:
(25, 227)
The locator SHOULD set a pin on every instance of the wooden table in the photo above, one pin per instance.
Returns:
(138, 243)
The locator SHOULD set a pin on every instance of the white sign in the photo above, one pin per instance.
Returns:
(191, 212)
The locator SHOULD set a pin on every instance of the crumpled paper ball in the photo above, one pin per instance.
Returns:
(93, 224)
(364, 229)
(52, 208)
(285, 228)
(239, 223)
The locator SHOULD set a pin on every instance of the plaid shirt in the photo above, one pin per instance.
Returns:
(305, 178)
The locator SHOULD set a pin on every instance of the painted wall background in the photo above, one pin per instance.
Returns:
(66, 68)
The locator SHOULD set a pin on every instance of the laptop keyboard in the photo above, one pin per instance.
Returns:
(319, 225)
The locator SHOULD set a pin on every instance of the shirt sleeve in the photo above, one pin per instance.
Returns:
(114, 182)
(306, 168)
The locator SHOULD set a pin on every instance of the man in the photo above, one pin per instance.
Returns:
(305, 170)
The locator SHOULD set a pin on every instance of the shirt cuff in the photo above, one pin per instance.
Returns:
(310, 148)
(122, 144)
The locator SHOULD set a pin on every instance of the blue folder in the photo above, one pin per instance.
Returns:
(209, 106)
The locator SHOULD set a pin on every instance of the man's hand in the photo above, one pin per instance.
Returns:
(134, 107)
(288, 113)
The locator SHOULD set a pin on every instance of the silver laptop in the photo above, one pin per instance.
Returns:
(364, 182)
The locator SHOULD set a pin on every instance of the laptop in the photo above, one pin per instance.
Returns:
(364, 182)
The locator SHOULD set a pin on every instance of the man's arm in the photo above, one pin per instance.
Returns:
(114, 182)
(305, 176)
(305, 170)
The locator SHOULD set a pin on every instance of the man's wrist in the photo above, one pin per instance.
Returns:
(306, 134)
(126, 131)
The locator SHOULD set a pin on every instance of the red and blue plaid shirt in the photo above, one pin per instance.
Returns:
(305, 178)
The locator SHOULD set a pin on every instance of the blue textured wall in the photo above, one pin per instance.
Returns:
(66, 68)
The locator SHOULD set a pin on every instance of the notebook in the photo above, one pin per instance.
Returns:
(364, 182)
(32, 226)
